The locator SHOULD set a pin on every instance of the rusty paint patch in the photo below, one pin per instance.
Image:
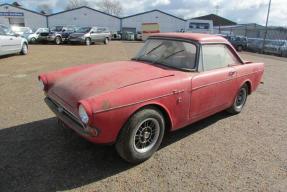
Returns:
(106, 105)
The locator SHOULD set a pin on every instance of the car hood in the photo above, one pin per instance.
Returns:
(102, 78)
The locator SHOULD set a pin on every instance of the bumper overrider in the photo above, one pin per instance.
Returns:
(71, 120)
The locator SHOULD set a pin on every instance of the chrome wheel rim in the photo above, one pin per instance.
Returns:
(241, 98)
(88, 42)
(58, 41)
(146, 135)
(106, 41)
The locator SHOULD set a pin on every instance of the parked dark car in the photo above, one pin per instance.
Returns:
(89, 35)
(238, 42)
(57, 34)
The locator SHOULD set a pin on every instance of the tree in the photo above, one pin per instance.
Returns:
(112, 7)
(45, 8)
(72, 4)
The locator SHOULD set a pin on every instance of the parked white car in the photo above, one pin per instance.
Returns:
(32, 38)
(11, 43)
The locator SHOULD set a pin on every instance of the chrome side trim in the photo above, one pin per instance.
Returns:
(139, 102)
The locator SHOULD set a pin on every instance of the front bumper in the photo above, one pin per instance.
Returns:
(71, 120)
(76, 40)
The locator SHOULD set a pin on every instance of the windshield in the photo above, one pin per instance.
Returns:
(84, 30)
(6, 31)
(57, 28)
(171, 53)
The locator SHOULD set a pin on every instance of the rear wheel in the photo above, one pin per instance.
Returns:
(24, 50)
(141, 136)
(239, 101)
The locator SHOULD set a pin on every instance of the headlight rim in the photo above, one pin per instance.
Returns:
(82, 109)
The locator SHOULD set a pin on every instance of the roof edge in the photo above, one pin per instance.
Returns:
(7, 4)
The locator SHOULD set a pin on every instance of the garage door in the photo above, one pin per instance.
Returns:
(17, 21)
(129, 29)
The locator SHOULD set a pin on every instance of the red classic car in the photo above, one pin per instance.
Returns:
(176, 79)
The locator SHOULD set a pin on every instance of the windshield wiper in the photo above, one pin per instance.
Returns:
(155, 48)
(170, 55)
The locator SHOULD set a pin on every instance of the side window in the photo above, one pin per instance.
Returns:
(2, 32)
(93, 30)
(217, 56)
(101, 30)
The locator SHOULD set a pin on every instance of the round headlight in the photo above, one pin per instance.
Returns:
(83, 114)
(41, 84)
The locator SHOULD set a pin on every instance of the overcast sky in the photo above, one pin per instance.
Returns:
(240, 11)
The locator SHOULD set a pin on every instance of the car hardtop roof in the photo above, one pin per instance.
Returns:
(199, 37)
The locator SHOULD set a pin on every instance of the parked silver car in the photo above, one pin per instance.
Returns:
(11, 43)
(276, 47)
(32, 38)
(22, 31)
(89, 35)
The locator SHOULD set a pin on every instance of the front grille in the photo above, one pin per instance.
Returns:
(65, 112)
(44, 34)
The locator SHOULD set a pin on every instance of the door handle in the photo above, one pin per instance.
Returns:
(231, 73)
(11, 38)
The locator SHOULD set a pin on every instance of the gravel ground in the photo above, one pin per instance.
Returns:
(246, 152)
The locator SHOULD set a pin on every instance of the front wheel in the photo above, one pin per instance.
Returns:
(33, 40)
(239, 101)
(88, 41)
(239, 48)
(24, 50)
(106, 41)
(58, 40)
(141, 136)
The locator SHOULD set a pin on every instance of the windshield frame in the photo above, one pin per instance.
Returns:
(87, 31)
(195, 43)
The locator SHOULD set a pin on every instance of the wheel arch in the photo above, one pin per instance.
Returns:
(249, 85)
(157, 106)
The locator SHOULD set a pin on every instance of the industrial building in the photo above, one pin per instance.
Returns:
(86, 16)
(12, 15)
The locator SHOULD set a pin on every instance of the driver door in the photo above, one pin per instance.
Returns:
(8, 43)
(215, 87)
(93, 33)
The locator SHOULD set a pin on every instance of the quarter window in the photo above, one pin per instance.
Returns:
(217, 56)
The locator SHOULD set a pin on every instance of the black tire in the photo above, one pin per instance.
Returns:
(106, 41)
(129, 138)
(239, 100)
(88, 41)
(58, 40)
(239, 48)
(33, 40)
(24, 49)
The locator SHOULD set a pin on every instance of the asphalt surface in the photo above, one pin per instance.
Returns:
(245, 152)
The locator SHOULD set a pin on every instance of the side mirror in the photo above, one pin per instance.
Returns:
(92, 32)
(16, 35)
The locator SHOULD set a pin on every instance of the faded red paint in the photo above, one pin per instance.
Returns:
(112, 92)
